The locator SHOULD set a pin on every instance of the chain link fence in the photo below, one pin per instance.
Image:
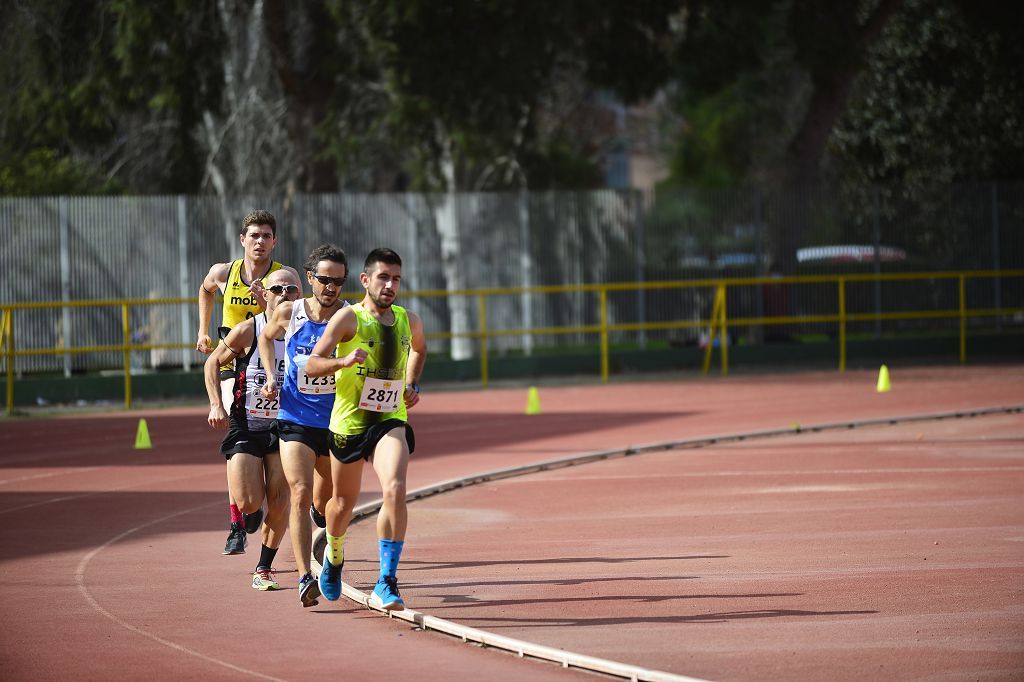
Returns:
(103, 248)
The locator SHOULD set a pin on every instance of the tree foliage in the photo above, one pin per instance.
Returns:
(475, 83)
(173, 96)
(105, 95)
(942, 100)
(905, 92)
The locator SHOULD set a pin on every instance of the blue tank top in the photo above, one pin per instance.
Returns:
(305, 400)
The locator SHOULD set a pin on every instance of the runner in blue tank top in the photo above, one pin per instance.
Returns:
(306, 404)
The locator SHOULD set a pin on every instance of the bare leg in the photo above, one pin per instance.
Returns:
(245, 481)
(297, 462)
(346, 480)
(322, 483)
(391, 462)
(276, 520)
(226, 386)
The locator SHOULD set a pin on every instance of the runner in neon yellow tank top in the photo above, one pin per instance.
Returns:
(379, 350)
(387, 353)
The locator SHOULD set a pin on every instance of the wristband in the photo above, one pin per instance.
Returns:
(414, 386)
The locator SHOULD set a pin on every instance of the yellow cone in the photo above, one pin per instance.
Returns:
(883, 380)
(533, 401)
(142, 436)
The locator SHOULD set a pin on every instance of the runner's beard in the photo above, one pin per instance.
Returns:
(377, 301)
(326, 305)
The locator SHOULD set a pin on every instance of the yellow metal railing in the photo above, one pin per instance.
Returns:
(126, 347)
(716, 326)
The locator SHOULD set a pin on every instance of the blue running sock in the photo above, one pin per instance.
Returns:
(390, 553)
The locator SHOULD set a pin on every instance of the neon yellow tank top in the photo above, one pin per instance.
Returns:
(365, 392)
(239, 303)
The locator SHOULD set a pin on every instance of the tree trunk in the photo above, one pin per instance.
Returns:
(447, 218)
(802, 166)
(294, 31)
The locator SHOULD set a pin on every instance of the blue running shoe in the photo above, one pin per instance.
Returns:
(385, 595)
(330, 579)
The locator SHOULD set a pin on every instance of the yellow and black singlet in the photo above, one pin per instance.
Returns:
(240, 303)
(369, 393)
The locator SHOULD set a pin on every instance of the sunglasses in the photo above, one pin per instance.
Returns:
(324, 279)
(283, 289)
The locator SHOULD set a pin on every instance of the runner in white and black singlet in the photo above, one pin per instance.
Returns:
(251, 444)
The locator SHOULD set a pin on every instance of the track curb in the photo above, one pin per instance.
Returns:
(569, 659)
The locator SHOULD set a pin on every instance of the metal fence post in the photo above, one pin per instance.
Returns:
(7, 332)
(842, 324)
(127, 337)
(604, 334)
(412, 224)
(875, 210)
(183, 286)
(636, 197)
(998, 300)
(963, 320)
(760, 269)
(484, 368)
(526, 270)
(65, 278)
(725, 331)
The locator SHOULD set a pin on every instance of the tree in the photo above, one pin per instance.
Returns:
(57, 114)
(452, 92)
(941, 100)
(911, 94)
(765, 85)
(107, 94)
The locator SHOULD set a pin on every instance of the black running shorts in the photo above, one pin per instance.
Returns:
(348, 449)
(258, 443)
(317, 440)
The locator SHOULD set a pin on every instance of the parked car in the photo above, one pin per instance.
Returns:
(849, 253)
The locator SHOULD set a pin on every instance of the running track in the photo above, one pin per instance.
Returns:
(892, 551)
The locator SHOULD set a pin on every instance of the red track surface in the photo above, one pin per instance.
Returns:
(893, 551)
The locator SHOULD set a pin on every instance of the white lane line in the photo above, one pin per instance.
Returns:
(65, 498)
(80, 580)
(46, 475)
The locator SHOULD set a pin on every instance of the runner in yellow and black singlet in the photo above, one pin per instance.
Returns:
(242, 284)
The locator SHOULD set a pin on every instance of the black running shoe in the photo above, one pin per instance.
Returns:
(317, 517)
(309, 590)
(252, 522)
(236, 540)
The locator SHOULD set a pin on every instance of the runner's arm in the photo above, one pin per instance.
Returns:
(417, 358)
(342, 327)
(233, 346)
(212, 283)
(274, 329)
